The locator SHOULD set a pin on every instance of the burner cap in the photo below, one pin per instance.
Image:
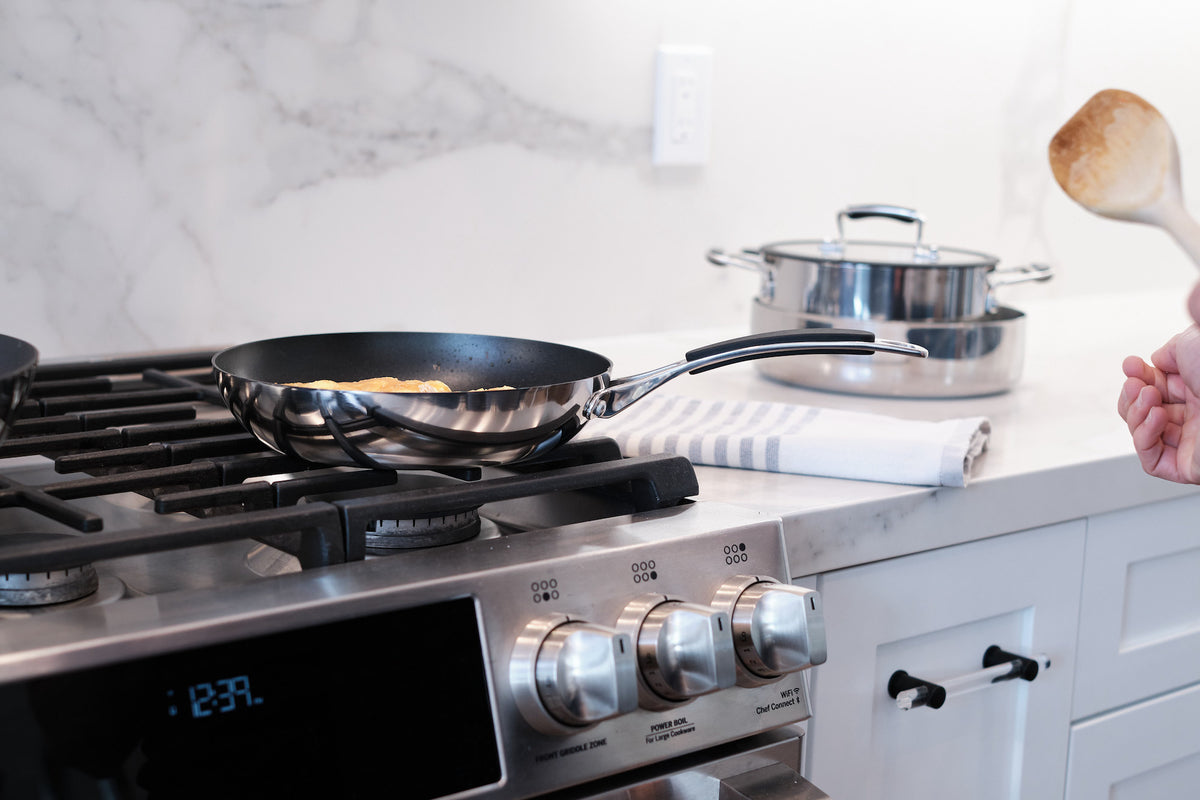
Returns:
(44, 588)
(385, 536)
(388, 535)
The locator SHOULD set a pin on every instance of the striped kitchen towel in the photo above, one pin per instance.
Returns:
(807, 440)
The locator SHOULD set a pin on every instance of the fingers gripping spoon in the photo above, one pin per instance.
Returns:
(1118, 158)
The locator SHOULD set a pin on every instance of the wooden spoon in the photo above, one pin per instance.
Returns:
(1118, 158)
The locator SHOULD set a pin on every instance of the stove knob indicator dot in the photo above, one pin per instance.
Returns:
(567, 675)
(644, 571)
(736, 554)
(544, 591)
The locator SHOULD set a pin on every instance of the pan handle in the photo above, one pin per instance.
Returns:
(622, 392)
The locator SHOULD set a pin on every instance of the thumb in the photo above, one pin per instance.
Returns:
(1187, 358)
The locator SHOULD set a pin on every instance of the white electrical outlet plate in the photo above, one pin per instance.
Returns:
(682, 104)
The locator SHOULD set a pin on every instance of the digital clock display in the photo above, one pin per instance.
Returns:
(290, 714)
(215, 697)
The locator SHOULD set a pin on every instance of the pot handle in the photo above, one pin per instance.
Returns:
(747, 259)
(1022, 274)
(898, 213)
(622, 392)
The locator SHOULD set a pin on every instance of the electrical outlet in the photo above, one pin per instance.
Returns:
(682, 104)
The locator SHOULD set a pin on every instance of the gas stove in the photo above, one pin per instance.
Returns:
(186, 613)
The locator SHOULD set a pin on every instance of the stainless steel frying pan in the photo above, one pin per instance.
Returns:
(557, 389)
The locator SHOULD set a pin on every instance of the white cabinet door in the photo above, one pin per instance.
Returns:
(1147, 751)
(1139, 624)
(933, 615)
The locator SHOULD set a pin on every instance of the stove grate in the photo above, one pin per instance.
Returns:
(156, 426)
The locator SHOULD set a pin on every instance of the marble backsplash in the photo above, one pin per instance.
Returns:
(183, 173)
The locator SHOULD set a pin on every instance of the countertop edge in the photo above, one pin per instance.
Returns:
(848, 534)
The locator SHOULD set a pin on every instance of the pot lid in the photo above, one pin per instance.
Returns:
(872, 253)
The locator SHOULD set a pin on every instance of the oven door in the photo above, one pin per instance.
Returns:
(763, 767)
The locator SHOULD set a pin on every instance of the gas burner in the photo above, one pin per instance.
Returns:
(44, 588)
(386, 536)
(110, 590)
(429, 527)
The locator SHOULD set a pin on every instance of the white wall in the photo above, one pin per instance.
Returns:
(180, 173)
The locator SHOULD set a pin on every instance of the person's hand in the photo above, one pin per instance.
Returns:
(1160, 402)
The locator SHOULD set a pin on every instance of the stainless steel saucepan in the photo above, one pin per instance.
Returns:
(554, 390)
(854, 279)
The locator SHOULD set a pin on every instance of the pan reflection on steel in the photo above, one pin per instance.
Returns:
(399, 431)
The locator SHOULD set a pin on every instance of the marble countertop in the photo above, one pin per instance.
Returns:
(1057, 451)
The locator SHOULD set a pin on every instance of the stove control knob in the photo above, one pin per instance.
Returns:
(567, 675)
(777, 627)
(684, 650)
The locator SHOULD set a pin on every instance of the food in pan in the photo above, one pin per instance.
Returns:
(385, 385)
(377, 385)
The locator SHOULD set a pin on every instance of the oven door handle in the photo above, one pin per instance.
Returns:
(774, 782)
(762, 767)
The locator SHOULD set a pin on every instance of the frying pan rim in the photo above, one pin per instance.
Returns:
(228, 352)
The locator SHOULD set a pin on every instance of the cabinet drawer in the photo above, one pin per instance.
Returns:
(1147, 750)
(1139, 625)
(933, 614)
